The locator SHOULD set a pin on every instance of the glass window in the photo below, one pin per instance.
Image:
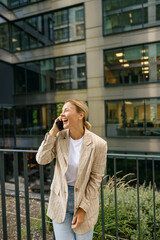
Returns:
(19, 78)
(16, 38)
(47, 75)
(4, 34)
(152, 117)
(115, 118)
(33, 76)
(134, 115)
(158, 12)
(1, 122)
(113, 66)
(76, 23)
(132, 65)
(61, 26)
(34, 120)
(124, 15)
(8, 122)
(62, 68)
(21, 121)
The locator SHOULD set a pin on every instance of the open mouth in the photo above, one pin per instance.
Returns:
(65, 121)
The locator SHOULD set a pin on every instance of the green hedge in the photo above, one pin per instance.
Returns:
(127, 212)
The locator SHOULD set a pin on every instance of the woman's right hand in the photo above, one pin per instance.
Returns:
(54, 130)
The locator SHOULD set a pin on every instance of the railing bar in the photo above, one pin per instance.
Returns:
(102, 211)
(108, 154)
(42, 201)
(17, 195)
(25, 166)
(3, 200)
(154, 205)
(137, 163)
(115, 196)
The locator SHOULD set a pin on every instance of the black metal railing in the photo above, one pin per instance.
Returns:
(24, 169)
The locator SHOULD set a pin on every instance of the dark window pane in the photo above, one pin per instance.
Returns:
(158, 12)
(115, 118)
(16, 38)
(8, 122)
(34, 120)
(33, 76)
(112, 23)
(1, 122)
(19, 78)
(21, 121)
(4, 34)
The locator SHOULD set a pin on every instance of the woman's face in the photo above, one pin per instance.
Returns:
(70, 117)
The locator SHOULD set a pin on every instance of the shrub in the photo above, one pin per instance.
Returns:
(127, 211)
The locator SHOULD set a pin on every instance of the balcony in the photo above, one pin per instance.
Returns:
(27, 185)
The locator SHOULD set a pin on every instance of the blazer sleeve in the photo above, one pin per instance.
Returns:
(47, 150)
(97, 172)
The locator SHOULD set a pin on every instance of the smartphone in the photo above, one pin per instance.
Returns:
(59, 125)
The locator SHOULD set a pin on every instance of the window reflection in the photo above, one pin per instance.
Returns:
(133, 65)
(133, 117)
(4, 34)
(124, 15)
(61, 73)
(115, 119)
(44, 30)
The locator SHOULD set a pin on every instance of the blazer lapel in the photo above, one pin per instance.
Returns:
(64, 145)
(85, 152)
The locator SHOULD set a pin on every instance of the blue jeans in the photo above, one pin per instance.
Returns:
(63, 230)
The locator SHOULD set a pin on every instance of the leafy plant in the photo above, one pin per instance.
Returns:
(127, 211)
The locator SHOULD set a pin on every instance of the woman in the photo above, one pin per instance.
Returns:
(80, 164)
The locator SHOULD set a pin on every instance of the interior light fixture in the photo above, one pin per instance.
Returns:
(120, 54)
(18, 49)
(125, 65)
(14, 40)
(122, 60)
(130, 15)
(131, 21)
(128, 103)
(143, 51)
(144, 57)
(145, 72)
(144, 63)
(145, 68)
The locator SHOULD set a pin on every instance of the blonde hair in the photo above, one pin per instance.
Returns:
(81, 106)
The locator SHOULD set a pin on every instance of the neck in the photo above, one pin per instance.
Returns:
(76, 133)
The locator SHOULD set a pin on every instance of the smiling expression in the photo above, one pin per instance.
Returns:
(70, 117)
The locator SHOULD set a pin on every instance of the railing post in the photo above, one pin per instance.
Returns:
(154, 204)
(3, 200)
(25, 166)
(42, 201)
(137, 163)
(115, 196)
(102, 211)
(16, 173)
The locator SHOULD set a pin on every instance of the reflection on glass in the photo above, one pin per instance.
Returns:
(47, 75)
(33, 76)
(4, 34)
(1, 122)
(113, 66)
(124, 15)
(133, 117)
(21, 121)
(134, 113)
(115, 118)
(19, 78)
(158, 12)
(152, 117)
(8, 122)
(133, 65)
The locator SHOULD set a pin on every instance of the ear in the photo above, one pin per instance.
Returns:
(81, 115)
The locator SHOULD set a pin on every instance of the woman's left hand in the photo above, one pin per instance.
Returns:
(78, 218)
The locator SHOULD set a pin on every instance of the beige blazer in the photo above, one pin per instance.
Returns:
(91, 168)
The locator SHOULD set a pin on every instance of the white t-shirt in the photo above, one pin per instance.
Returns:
(73, 162)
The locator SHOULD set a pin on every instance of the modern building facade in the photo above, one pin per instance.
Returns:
(106, 53)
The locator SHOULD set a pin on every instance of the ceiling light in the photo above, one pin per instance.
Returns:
(125, 65)
(122, 60)
(120, 54)
(14, 40)
(18, 49)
